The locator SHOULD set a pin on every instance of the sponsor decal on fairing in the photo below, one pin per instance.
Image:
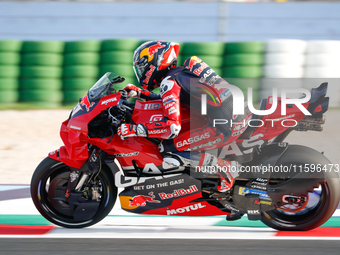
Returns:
(178, 192)
(185, 209)
(109, 101)
(127, 154)
(152, 106)
(193, 140)
(156, 117)
(85, 102)
(75, 127)
(140, 200)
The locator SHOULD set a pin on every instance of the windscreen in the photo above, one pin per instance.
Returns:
(104, 86)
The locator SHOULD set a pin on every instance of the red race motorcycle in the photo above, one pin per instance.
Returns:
(287, 187)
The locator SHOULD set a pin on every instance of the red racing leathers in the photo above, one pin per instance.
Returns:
(181, 93)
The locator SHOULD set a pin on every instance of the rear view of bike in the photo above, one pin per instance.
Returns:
(303, 185)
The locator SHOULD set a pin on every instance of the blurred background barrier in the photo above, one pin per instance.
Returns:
(80, 69)
(40, 73)
(52, 52)
(55, 73)
(9, 70)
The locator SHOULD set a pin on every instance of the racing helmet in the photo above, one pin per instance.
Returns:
(153, 60)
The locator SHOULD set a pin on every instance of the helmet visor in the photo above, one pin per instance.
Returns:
(139, 66)
(138, 71)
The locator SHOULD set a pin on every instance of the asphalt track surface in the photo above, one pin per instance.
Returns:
(135, 235)
(161, 246)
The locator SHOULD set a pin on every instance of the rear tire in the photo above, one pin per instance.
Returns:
(49, 182)
(325, 200)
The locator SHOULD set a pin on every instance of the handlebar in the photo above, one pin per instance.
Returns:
(122, 112)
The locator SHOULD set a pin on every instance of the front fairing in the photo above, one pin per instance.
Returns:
(81, 115)
(74, 131)
(104, 90)
(101, 96)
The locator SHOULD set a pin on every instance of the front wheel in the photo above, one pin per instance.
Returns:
(48, 187)
(314, 209)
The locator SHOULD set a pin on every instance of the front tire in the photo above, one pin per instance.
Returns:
(48, 186)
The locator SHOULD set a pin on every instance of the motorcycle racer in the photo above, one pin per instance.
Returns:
(154, 63)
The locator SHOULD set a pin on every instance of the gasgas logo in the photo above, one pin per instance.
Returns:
(193, 139)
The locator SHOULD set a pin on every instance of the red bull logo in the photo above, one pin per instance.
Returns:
(154, 48)
(141, 200)
(199, 70)
(85, 102)
(179, 192)
(193, 61)
(149, 73)
(151, 51)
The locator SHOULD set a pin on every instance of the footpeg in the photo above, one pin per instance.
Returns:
(234, 216)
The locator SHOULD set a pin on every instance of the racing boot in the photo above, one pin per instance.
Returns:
(219, 168)
(223, 170)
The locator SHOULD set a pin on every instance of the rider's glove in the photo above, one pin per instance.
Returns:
(129, 130)
(133, 91)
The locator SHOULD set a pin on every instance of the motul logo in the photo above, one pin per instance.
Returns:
(109, 101)
(185, 209)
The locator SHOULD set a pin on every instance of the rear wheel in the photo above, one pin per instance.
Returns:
(48, 187)
(311, 211)
(319, 208)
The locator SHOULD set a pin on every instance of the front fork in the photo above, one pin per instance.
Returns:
(90, 168)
